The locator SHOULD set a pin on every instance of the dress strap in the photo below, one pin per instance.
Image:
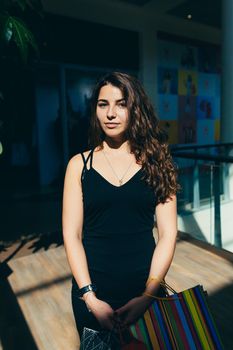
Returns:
(85, 161)
(91, 159)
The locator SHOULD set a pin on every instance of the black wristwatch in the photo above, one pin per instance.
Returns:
(90, 287)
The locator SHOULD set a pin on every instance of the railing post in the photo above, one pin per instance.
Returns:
(196, 187)
(230, 173)
(226, 181)
(217, 211)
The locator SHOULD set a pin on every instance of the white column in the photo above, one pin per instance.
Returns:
(148, 64)
(227, 72)
(227, 84)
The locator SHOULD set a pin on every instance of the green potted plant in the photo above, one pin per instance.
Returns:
(15, 31)
(14, 28)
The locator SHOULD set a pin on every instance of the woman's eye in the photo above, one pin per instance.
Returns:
(122, 105)
(102, 105)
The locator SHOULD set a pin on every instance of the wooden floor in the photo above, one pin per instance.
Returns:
(40, 284)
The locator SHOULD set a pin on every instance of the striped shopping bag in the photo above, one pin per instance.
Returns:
(181, 321)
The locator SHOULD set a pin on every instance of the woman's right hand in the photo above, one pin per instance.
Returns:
(101, 310)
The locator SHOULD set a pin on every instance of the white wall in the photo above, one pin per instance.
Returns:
(200, 224)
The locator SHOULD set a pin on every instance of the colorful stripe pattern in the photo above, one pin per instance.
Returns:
(182, 322)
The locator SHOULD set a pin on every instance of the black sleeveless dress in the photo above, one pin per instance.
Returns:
(117, 238)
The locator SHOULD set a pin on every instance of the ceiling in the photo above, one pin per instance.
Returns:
(136, 2)
(206, 12)
(202, 11)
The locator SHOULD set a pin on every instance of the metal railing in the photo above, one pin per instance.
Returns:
(207, 169)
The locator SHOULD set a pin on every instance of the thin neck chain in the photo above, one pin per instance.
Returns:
(119, 179)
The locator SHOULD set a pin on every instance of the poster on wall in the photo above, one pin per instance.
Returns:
(187, 83)
(209, 59)
(205, 131)
(170, 127)
(189, 90)
(168, 54)
(217, 85)
(187, 107)
(188, 57)
(187, 132)
(217, 130)
(205, 107)
(168, 107)
(207, 84)
(217, 108)
(167, 79)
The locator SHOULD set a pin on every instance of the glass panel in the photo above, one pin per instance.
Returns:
(205, 204)
(226, 208)
(195, 214)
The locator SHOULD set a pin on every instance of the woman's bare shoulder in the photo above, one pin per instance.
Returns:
(76, 162)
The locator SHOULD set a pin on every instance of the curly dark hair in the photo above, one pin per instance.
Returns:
(147, 141)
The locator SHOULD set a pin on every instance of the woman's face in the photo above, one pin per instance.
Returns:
(111, 111)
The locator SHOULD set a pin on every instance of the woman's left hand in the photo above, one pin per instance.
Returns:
(133, 310)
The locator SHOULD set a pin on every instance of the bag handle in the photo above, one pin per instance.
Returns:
(166, 287)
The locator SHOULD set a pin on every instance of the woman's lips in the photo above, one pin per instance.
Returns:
(111, 125)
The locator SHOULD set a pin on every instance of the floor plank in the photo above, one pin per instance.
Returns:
(41, 283)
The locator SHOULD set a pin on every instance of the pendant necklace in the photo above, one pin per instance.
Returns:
(119, 179)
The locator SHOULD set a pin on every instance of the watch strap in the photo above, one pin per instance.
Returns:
(90, 287)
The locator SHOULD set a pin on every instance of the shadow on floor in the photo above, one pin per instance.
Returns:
(30, 244)
(14, 331)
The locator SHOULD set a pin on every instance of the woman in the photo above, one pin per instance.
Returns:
(111, 195)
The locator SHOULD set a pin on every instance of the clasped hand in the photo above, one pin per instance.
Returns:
(124, 316)
(132, 310)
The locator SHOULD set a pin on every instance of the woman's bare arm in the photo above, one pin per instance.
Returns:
(162, 257)
(166, 217)
(72, 222)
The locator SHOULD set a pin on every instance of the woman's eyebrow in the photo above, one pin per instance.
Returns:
(103, 100)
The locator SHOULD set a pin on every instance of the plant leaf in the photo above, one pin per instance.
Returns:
(5, 28)
(23, 37)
